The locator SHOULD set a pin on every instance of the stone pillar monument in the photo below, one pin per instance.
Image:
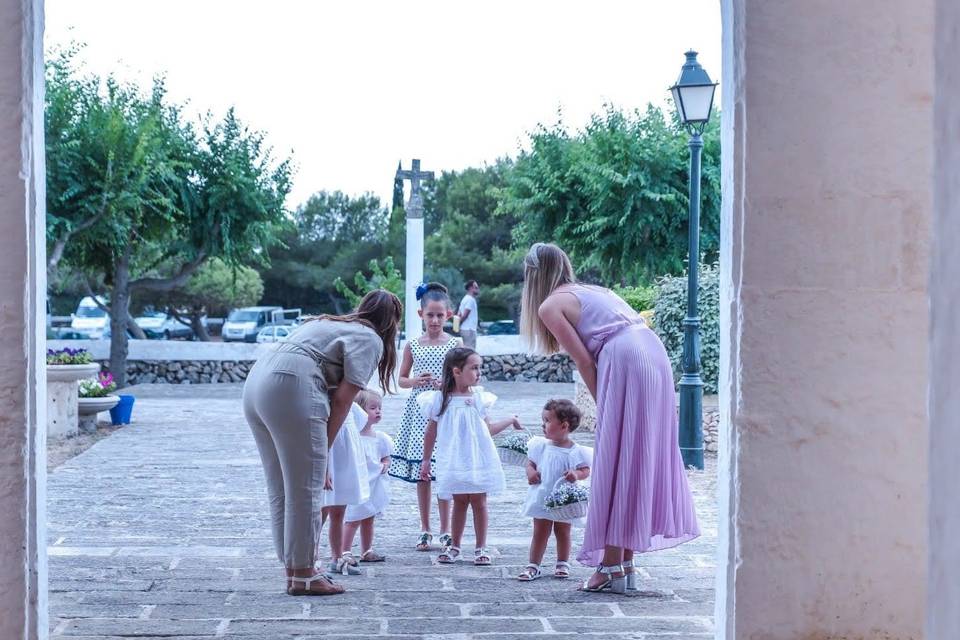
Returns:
(414, 269)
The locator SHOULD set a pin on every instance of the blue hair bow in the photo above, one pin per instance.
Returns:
(421, 289)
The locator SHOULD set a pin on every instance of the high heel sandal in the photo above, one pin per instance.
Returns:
(613, 584)
(630, 573)
(320, 578)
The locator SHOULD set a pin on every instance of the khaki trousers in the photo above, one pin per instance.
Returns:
(286, 404)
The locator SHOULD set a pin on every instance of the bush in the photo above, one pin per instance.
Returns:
(640, 298)
(671, 309)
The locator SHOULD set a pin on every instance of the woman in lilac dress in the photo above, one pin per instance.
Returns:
(639, 498)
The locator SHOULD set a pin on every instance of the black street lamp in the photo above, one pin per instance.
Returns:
(693, 95)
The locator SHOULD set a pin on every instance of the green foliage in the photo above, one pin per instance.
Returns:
(671, 309)
(615, 195)
(331, 236)
(138, 199)
(217, 287)
(382, 276)
(639, 298)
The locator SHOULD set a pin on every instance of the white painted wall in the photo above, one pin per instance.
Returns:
(827, 177)
(23, 570)
(944, 585)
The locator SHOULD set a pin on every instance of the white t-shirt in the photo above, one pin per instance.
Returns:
(473, 320)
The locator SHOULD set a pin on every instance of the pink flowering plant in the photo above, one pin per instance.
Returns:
(68, 356)
(100, 387)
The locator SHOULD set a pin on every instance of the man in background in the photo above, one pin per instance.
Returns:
(469, 316)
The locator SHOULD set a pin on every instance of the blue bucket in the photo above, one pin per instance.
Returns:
(120, 414)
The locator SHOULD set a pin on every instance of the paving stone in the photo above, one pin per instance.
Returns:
(162, 531)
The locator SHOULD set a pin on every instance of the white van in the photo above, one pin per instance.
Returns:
(243, 325)
(90, 319)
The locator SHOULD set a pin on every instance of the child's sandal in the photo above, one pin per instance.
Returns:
(481, 557)
(371, 556)
(530, 573)
(449, 555)
(562, 569)
(425, 539)
(445, 540)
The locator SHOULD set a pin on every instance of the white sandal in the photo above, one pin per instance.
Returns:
(562, 570)
(530, 573)
(613, 584)
(346, 565)
(631, 575)
(449, 555)
(482, 557)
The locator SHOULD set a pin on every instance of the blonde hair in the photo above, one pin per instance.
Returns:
(545, 268)
(364, 396)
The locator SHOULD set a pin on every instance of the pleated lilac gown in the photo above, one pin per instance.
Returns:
(639, 497)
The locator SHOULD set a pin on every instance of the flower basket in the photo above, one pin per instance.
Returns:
(567, 501)
(513, 449)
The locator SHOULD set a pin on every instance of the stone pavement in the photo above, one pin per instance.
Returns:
(161, 531)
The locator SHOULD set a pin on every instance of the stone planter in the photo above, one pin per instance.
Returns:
(62, 396)
(89, 408)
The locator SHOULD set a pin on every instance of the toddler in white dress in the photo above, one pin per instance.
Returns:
(550, 459)
(468, 466)
(377, 447)
(346, 484)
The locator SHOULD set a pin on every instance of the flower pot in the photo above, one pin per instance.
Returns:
(62, 396)
(71, 372)
(89, 408)
(121, 413)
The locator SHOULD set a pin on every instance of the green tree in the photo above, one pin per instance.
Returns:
(615, 195)
(382, 276)
(330, 236)
(139, 199)
(213, 290)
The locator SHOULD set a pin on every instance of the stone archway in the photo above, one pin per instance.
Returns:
(840, 165)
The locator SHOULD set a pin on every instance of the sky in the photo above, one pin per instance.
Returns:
(351, 88)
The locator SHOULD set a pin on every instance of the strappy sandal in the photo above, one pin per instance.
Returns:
(530, 573)
(371, 556)
(320, 578)
(449, 555)
(445, 540)
(630, 574)
(613, 584)
(562, 569)
(425, 539)
(346, 565)
(481, 557)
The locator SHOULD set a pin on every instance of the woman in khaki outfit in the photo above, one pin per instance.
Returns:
(295, 400)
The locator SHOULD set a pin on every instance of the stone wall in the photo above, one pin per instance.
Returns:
(516, 367)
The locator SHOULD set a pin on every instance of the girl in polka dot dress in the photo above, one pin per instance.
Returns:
(421, 370)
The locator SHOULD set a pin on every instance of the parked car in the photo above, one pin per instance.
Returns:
(275, 333)
(90, 318)
(161, 326)
(502, 328)
(243, 325)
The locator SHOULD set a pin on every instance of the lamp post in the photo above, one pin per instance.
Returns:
(693, 95)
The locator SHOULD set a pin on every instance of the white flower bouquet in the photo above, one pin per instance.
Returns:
(513, 449)
(568, 500)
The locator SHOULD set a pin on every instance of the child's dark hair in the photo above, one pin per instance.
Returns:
(432, 291)
(565, 411)
(456, 359)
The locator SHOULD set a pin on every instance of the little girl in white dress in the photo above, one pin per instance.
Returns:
(377, 447)
(468, 466)
(346, 484)
(552, 459)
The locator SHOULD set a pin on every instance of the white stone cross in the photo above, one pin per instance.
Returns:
(414, 207)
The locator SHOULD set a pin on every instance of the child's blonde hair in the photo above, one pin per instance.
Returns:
(545, 268)
(366, 395)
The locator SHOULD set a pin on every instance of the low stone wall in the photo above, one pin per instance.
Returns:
(515, 367)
